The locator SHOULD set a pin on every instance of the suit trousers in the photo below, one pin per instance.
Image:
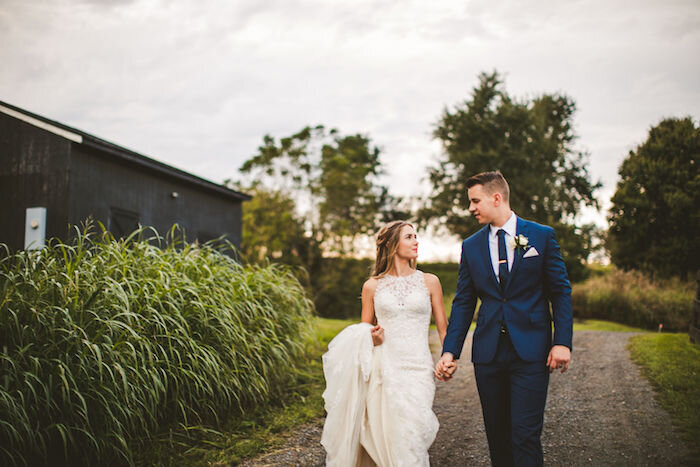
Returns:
(513, 395)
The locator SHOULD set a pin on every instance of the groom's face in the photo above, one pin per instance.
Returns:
(482, 205)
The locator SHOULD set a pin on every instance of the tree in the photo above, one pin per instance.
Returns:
(332, 178)
(314, 193)
(272, 229)
(655, 213)
(532, 143)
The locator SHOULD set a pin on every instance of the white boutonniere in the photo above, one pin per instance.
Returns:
(520, 242)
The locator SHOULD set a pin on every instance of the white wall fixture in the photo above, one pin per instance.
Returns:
(35, 229)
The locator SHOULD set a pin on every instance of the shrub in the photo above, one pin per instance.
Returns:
(336, 284)
(105, 341)
(446, 272)
(337, 287)
(631, 298)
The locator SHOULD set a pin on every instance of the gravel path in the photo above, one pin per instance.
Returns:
(600, 412)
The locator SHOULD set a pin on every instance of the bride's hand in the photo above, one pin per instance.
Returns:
(445, 367)
(377, 335)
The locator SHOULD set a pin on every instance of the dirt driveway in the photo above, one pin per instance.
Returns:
(600, 412)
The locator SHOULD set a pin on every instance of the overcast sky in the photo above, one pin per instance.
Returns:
(197, 83)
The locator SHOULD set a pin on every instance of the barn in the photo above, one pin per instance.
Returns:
(53, 176)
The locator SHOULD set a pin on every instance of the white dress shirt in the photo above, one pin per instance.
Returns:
(510, 228)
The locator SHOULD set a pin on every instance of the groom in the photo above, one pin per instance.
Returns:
(514, 266)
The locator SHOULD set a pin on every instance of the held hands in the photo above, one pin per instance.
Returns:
(559, 357)
(445, 367)
(377, 333)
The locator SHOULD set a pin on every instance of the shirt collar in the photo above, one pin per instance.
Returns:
(510, 226)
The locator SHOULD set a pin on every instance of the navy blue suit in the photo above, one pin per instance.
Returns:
(510, 368)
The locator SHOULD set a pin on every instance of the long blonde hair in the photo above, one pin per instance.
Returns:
(387, 244)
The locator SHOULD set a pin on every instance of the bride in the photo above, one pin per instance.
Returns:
(379, 373)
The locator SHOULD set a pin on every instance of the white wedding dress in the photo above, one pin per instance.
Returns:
(379, 399)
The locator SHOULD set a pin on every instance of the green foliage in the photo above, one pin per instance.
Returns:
(631, 298)
(105, 341)
(315, 192)
(672, 365)
(598, 269)
(576, 243)
(655, 213)
(332, 178)
(337, 287)
(337, 284)
(532, 144)
(265, 426)
(272, 229)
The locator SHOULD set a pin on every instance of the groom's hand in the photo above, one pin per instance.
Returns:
(559, 357)
(445, 367)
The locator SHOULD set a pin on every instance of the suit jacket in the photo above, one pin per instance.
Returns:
(533, 284)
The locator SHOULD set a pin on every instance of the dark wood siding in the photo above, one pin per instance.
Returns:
(98, 179)
(33, 172)
(101, 184)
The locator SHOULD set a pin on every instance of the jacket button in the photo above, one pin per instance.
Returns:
(504, 300)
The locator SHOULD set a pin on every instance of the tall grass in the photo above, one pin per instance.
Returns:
(104, 341)
(631, 298)
(268, 426)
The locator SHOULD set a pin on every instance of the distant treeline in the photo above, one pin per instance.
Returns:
(336, 286)
(609, 294)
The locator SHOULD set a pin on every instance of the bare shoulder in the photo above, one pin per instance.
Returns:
(370, 285)
(431, 281)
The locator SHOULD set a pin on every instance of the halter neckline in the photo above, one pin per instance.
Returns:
(399, 277)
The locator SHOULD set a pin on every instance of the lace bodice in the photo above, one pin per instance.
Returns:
(402, 307)
(401, 287)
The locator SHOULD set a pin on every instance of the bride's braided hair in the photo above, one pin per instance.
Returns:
(387, 244)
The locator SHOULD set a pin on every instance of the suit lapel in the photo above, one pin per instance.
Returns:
(486, 255)
(520, 229)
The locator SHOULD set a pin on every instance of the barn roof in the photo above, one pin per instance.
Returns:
(120, 152)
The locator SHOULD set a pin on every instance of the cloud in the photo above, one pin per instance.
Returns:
(197, 83)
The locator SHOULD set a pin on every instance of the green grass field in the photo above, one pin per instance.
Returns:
(672, 365)
(598, 325)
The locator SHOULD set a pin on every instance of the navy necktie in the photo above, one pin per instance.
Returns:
(502, 259)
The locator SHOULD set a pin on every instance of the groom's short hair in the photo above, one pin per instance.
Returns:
(492, 182)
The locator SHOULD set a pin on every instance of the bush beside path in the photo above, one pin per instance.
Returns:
(601, 412)
(112, 350)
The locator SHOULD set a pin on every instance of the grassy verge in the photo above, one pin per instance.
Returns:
(598, 325)
(259, 430)
(672, 365)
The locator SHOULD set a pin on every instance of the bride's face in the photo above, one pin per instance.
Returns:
(408, 243)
